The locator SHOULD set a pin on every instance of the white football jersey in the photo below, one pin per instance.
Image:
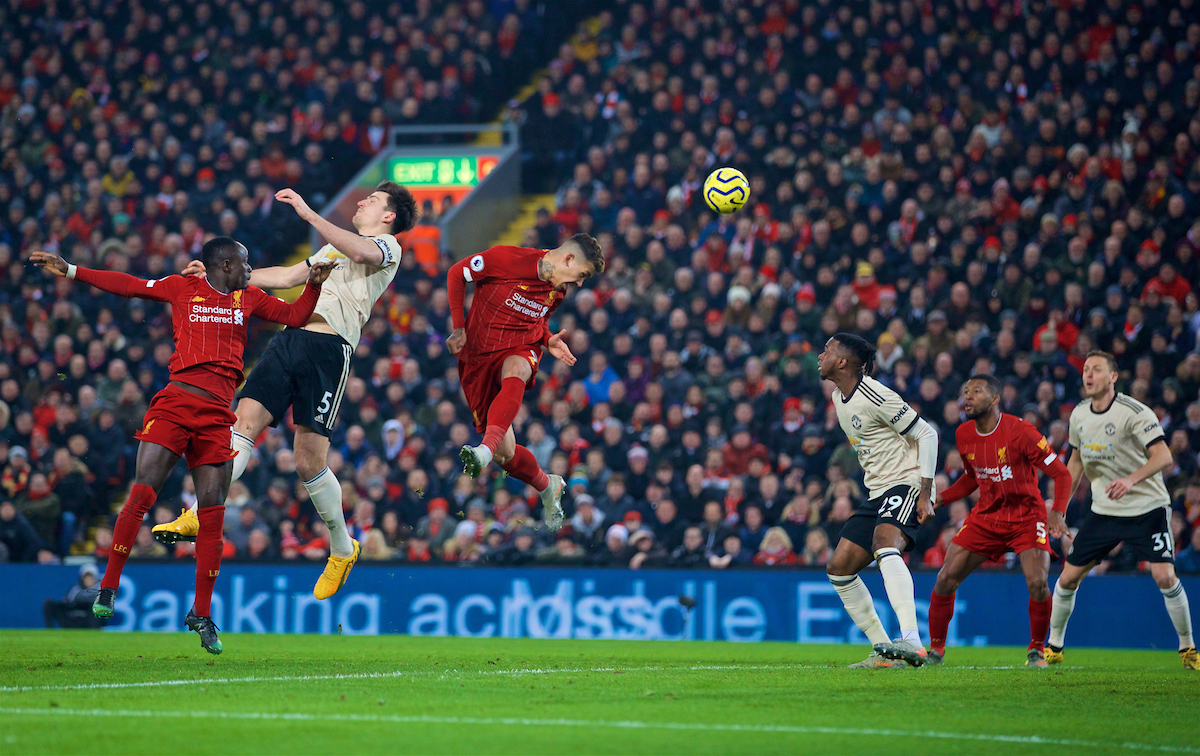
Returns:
(875, 420)
(352, 289)
(1113, 444)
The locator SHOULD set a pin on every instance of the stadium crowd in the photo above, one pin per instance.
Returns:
(973, 188)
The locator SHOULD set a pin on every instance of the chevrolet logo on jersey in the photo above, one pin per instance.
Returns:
(1096, 446)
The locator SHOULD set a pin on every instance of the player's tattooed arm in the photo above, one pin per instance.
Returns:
(457, 340)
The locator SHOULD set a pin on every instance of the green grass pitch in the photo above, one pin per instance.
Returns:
(68, 692)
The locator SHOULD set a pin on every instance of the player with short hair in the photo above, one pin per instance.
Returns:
(1118, 443)
(898, 453)
(190, 417)
(306, 367)
(1001, 455)
(499, 346)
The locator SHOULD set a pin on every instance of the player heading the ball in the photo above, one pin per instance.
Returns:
(499, 346)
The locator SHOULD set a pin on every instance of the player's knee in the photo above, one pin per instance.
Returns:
(1039, 590)
(309, 464)
(1165, 580)
(946, 585)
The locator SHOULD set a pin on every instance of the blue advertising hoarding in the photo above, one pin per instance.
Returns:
(741, 606)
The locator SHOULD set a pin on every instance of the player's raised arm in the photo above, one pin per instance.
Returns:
(121, 284)
(297, 313)
(360, 249)
(274, 277)
(966, 485)
(471, 269)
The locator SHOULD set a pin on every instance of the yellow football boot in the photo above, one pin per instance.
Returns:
(1191, 660)
(182, 528)
(337, 569)
(1053, 655)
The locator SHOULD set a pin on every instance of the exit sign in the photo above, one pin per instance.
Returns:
(441, 172)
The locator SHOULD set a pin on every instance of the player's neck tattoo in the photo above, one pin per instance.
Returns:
(545, 269)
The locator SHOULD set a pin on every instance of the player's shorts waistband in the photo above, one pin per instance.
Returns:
(314, 336)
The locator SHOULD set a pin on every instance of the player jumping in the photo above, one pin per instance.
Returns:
(499, 345)
(1118, 442)
(190, 416)
(898, 453)
(305, 367)
(1001, 455)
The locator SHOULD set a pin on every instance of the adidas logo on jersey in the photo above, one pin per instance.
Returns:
(319, 419)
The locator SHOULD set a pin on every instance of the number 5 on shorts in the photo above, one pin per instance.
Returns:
(323, 407)
(1041, 532)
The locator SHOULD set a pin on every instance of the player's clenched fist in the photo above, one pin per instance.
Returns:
(457, 340)
(51, 263)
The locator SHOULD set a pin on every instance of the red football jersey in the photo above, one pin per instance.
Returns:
(511, 302)
(209, 328)
(1003, 465)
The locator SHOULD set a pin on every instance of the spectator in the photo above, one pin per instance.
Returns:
(74, 611)
(817, 551)
(691, 553)
(775, 549)
(732, 554)
(1188, 560)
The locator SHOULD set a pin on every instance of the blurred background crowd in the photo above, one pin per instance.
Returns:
(973, 186)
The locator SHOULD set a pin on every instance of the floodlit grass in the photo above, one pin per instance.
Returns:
(91, 692)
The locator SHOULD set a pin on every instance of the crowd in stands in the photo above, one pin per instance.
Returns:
(972, 190)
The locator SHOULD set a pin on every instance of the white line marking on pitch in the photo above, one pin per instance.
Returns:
(441, 673)
(618, 724)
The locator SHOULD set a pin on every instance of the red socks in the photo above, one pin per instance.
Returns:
(125, 533)
(1039, 621)
(524, 466)
(208, 556)
(503, 411)
(941, 609)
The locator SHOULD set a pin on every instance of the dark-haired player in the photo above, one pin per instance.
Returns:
(306, 367)
(1001, 455)
(1118, 442)
(499, 345)
(191, 417)
(898, 454)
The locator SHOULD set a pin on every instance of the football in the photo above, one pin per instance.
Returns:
(726, 190)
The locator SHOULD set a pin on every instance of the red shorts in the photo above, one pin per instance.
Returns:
(190, 425)
(995, 539)
(480, 379)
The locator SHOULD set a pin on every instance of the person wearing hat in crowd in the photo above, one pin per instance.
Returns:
(647, 552)
(437, 526)
(75, 609)
(588, 522)
(615, 551)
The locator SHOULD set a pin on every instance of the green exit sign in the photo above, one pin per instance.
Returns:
(441, 172)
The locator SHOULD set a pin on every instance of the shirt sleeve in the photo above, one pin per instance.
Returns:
(496, 262)
(125, 285)
(1073, 432)
(295, 315)
(390, 248)
(893, 409)
(1145, 428)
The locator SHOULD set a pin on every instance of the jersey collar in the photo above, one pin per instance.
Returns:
(1106, 409)
(846, 398)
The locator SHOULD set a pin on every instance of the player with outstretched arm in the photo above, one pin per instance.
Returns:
(1001, 455)
(190, 417)
(1118, 442)
(898, 453)
(499, 346)
(306, 367)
